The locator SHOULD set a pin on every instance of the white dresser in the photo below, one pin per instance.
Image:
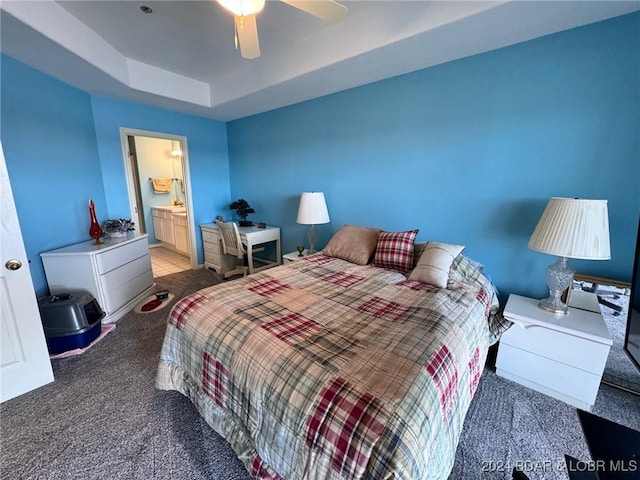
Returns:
(117, 273)
(561, 356)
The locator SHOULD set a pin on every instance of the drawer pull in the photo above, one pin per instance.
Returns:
(520, 323)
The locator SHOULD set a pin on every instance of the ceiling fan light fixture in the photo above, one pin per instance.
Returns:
(243, 7)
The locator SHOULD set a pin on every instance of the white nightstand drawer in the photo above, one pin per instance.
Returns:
(567, 380)
(111, 259)
(568, 349)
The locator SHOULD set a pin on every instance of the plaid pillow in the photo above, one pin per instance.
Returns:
(395, 250)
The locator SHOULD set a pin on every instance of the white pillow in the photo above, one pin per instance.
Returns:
(435, 262)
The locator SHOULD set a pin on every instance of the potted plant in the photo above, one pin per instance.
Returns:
(118, 227)
(242, 208)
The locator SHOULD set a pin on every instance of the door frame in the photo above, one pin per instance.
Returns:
(126, 132)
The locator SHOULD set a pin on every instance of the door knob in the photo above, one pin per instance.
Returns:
(13, 264)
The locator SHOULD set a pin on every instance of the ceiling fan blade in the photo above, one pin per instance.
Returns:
(327, 10)
(247, 30)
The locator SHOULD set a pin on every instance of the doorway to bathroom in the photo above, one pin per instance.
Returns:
(157, 171)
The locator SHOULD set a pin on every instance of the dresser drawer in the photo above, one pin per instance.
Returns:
(209, 236)
(213, 258)
(561, 347)
(116, 257)
(126, 282)
(561, 378)
(211, 248)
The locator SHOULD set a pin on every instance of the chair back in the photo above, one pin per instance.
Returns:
(231, 241)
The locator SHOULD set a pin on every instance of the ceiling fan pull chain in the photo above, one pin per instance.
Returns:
(235, 34)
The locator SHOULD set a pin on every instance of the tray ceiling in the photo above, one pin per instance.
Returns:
(182, 55)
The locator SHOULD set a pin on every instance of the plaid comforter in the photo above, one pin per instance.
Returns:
(322, 369)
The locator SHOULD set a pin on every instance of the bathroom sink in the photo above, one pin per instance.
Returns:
(173, 208)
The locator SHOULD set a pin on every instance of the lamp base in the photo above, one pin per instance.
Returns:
(312, 236)
(549, 305)
(559, 277)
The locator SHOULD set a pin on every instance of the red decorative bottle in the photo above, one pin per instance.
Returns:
(95, 231)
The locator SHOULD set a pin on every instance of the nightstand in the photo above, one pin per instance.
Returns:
(560, 356)
(293, 256)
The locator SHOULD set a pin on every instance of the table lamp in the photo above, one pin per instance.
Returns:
(312, 210)
(570, 228)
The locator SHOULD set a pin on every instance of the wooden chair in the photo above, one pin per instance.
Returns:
(232, 245)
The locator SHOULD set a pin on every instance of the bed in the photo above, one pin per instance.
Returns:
(328, 369)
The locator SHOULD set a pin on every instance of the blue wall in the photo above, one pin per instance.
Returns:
(62, 147)
(50, 148)
(207, 150)
(469, 152)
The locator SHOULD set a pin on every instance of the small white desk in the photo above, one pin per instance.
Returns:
(251, 236)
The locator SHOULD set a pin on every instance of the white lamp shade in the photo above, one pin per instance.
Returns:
(312, 209)
(573, 228)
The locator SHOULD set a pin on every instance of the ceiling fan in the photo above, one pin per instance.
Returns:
(246, 29)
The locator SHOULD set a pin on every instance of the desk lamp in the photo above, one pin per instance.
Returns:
(312, 210)
(570, 228)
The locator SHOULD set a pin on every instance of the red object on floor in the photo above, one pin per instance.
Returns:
(152, 305)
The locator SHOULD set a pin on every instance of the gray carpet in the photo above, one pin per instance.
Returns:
(103, 418)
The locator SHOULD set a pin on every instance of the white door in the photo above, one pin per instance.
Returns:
(24, 363)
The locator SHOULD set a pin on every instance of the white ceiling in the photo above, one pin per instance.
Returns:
(182, 55)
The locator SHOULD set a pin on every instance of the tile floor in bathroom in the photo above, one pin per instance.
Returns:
(166, 262)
